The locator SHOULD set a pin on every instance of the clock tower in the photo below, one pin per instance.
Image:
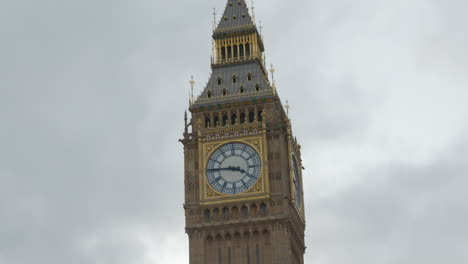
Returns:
(243, 174)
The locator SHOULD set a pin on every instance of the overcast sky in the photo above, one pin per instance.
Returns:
(92, 96)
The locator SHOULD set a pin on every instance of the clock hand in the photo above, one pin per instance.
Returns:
(218, 169)
(228, 168)
(235, 168)
(231, 168)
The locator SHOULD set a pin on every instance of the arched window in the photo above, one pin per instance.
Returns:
(244, 211)
(257, 87)
(242, 118)
(251, 116)
(242, 90)
(224, 92)
(216, 121)
(207, 122)
(229, 52)
(220, 81)
(225, 119)
(234, 212)
(263, 209)
(260, 117)
(249, 77)
(207, 214)
(247, 50)
(233, 119)
(241, 50)
(210, 94)
(234, 79)
(253, 209)
(226, 213)
(216, 213)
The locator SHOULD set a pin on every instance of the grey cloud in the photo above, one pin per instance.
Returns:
(398, 213)
(92, 96)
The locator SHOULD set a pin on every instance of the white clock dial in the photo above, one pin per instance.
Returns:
(297, 183)
(233, 168)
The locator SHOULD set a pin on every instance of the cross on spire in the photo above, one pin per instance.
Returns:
(287, 106)
(253, 11)
(192, 83)
(272, 71)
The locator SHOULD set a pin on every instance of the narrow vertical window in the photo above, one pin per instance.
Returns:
(207, 215)
(233, 119)
(258, 254)
(235, 51)
(247, 50)
(219, 256)
(251, 116)
(223, 53)
(244, 211)
(242, 118)
(229, 52)
(241, 50)
(226, 213)
(229, 255)
(263, 209)
(248, 254)
(225, 119)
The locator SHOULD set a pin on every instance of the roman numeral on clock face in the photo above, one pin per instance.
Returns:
(233, 173)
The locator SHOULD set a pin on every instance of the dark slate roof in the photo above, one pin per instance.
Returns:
(236, 14)
(226, 74)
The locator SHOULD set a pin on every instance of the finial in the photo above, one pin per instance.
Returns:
(192, 82)
(260, 27)
(253, 11)
(185, 119)
(287, 106)
(213, 51)
(214, 18)
(272, 71)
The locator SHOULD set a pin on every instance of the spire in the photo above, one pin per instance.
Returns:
(238, 65)
(236, 14)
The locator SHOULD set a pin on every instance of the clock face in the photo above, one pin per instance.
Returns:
(296, 182)
(233, 168)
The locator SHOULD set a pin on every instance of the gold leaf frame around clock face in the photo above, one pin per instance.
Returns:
(294, 154)
(208, 195)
